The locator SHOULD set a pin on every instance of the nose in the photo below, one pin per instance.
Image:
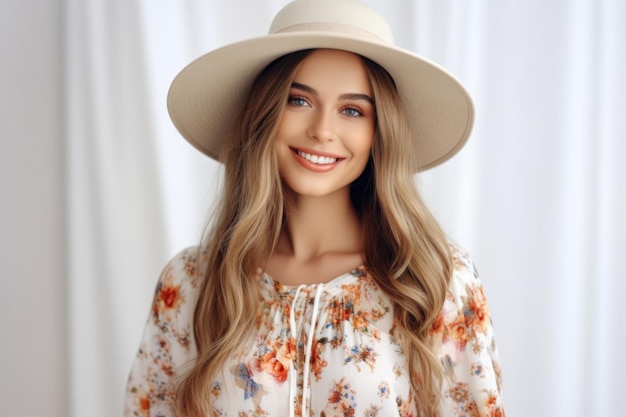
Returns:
(321, 127)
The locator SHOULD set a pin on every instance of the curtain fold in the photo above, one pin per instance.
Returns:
(537, 197)
(116, 225)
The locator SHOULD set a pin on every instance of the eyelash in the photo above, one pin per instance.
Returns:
(359, 112)
(293, 100)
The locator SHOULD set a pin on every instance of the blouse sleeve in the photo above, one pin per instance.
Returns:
(167, 341)
(472, 378)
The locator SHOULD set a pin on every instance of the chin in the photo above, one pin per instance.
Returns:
(307, 189)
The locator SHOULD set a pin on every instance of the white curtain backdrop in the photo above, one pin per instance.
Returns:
(538, 196)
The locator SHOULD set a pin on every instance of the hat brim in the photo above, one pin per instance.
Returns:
(205, 96)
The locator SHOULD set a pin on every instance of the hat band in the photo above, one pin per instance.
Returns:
(335, 28)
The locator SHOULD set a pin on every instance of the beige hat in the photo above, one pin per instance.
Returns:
(205, 96)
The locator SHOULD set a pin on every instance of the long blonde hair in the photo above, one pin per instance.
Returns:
(405, 250)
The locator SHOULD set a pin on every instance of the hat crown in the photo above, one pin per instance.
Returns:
(349, 17)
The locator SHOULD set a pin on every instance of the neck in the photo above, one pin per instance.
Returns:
(317, 226)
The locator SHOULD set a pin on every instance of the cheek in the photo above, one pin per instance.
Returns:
(282, 154)
(281, 150)
(287, 125)
(368, 132)
(363, 142)
(362, 149)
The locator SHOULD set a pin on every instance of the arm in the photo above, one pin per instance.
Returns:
(167, 341)
(472, 379)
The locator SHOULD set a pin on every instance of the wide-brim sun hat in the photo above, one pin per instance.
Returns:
(205, 96)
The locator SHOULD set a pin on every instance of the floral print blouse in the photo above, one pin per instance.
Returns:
(320, 350)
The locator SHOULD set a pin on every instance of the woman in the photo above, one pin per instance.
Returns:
(325, 287)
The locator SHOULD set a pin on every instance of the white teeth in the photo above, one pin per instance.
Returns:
(317, 159)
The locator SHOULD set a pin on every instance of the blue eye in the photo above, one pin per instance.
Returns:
(297, 101)
(352, 112)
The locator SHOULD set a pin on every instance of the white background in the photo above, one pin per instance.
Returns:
(98, 190)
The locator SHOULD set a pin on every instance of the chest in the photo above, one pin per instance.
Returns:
(322, 353)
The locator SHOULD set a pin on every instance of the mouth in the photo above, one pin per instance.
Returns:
(316, 161)
(317, 158)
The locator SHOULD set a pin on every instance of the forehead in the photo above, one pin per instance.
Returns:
(332, 69)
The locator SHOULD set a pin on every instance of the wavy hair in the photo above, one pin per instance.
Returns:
(405, 250)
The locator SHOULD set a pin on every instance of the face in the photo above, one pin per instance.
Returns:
(327, 128)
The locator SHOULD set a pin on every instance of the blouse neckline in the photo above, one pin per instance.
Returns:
(348, 277)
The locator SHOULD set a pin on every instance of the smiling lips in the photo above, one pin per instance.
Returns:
(315, 162)
(317, 159)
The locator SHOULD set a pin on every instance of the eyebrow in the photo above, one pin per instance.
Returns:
(346, 96)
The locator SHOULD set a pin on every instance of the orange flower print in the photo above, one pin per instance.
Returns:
(167, 369)
(471, 410)
(286, 310)
(340, 311)
(373, 411)
(493, 405)
(287, 351)
(191, 267)
(336, 342)
(476, 312)
(276, 368)
(397, 370)
(405, 408)
(317, 362)
(359, 322)
(273, 359)
(459, 332)
(362, 354)
(383, 390)
(144, 404)
(437, 324)
(459, 393)
(168, 295)
(257, 412)
(341, 401)
(216, 389)
(477, 369)
(469, 320)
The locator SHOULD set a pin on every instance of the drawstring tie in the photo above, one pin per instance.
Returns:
(307, 352)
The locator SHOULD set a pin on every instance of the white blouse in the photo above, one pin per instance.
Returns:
(320, 350)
